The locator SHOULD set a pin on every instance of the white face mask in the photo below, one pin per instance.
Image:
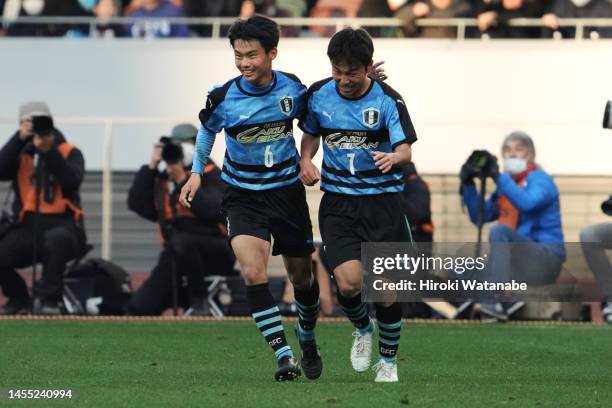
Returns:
(515, 165)
(188, 153)
(33, 7)
(580, 3)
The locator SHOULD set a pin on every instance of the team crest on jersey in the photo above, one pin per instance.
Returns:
(370, 117)
(286, 104)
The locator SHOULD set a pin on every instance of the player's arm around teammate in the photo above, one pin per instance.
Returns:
(366, 135)
(264, 199)
(348, 275)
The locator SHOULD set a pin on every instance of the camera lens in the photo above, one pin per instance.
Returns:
(172, 153)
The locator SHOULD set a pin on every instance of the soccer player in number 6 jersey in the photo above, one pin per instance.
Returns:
(264, 196)
(367, 136)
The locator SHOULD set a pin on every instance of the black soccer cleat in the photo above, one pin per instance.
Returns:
(311, 361)
(288, 369)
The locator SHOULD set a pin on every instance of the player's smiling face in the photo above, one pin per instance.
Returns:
(352, 80)
(253, 62)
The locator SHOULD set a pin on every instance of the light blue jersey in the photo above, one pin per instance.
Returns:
(258, 123)
(354, 128)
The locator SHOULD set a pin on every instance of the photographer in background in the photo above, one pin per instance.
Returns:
(46, 174)
(526, 208)
(194, 239)
(416, 202)
(595, 239)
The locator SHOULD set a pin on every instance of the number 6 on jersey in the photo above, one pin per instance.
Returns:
(268, 157)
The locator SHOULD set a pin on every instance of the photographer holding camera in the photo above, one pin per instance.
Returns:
(194, 239)
(46, 174)
(526, 208)
(595, 239)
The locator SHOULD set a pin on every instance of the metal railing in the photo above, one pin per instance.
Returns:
(216, 23)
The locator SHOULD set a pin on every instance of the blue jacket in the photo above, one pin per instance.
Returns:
(537, 202)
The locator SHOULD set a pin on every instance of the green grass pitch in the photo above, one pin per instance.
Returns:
(228, 364)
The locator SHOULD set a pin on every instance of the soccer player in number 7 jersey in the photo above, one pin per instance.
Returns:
(367, 136)
(264, 196)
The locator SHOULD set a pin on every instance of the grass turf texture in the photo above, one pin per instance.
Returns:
(228, 364)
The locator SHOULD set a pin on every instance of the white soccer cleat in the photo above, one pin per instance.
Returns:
(385, 371)
(361, 352)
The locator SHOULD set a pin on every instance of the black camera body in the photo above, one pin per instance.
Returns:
(482, 164)
(42, 125)
(172, 152)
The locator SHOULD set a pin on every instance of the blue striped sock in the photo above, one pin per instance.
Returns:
(356, 311)
(307, 320)
(389, 330)
(268, 319)
(269, 324)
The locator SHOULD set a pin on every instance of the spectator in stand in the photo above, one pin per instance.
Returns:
(295, 8)
(411, 11)
(2, 27)
(578, 9)
(375, 8)
(268, 8)
(158, 28)
(129, 6)
(210, 8)
(103, 10)
(493, 16)
(325, 8)
(310, 4)
(378, 9)
(32, 8)
(333, 8)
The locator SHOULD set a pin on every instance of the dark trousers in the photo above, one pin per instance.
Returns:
(194, 257)
(58, 243)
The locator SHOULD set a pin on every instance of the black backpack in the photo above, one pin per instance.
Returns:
(97, 287)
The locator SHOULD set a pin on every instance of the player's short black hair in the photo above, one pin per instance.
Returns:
(351, 46)
(258, 28)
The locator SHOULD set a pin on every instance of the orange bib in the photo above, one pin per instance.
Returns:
(27, 189)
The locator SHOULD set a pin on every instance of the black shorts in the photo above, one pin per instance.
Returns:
(281, 212)
(347, 221)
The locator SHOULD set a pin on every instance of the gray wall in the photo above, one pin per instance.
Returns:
(461, 95)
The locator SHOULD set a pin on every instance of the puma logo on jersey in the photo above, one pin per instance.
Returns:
(329, 115)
